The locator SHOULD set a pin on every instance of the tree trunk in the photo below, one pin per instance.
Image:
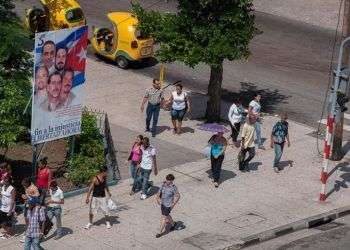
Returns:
(214, 94)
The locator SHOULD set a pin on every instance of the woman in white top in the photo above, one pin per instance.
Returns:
(7, 208)
(179, 106)
(235, 116)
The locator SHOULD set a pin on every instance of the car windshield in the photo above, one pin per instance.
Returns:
(74, 15)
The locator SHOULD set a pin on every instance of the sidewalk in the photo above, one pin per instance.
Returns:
(244, 204)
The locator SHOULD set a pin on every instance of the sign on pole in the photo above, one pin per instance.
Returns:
(59, 76)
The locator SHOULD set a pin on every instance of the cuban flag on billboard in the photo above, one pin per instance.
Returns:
(75, 41)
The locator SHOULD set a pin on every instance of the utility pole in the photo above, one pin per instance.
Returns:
(337, 149)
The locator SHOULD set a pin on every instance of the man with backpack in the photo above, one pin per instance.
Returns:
(279, 136)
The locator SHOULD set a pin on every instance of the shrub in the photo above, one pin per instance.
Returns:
(88, 155)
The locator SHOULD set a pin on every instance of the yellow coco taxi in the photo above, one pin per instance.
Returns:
(55, 15)
(122, 43)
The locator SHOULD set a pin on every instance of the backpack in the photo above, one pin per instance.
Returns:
(47, 223)
(280, 131)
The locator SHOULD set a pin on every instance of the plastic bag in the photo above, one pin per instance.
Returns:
(112, 206)
(206, 151)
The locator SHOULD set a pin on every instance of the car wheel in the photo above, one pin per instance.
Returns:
(122, 62)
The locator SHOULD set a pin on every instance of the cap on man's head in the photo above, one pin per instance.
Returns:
(33, 201)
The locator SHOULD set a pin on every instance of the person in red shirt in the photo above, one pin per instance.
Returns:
(43, 179)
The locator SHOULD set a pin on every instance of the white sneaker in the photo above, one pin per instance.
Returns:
(88, 226)
(23, 239)
(108, 225)
(143, 196)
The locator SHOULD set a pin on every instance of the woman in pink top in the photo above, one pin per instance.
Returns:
(43, 179)
(135, 159)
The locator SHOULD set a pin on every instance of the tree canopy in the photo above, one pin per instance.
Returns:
(15, 72)
(207, 31)
(202, 31)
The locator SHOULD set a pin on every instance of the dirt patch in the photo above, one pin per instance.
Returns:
(20, 159)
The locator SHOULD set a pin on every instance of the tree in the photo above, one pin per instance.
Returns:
(15, 72)
(202, 31)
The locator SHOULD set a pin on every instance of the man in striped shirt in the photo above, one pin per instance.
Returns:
(35, 224)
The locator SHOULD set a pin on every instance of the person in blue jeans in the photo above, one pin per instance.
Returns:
(279, 136)
(148, 162)
(35, 224)
(155, 98)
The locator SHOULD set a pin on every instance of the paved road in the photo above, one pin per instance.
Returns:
(334, 236)
(289, 62)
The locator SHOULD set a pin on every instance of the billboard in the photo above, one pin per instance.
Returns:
(59, 76)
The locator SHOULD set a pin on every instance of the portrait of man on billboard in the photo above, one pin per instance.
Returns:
(48, 56)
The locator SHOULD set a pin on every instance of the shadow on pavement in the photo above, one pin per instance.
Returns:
(284, 164)
(112, 219)
(146, 63)
(254, 166)
(225, 175)
(345, 177)
(270, 98)
(65, 231)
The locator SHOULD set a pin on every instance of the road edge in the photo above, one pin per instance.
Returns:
(305, 223)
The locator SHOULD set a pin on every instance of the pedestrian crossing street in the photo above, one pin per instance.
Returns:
(346, 126)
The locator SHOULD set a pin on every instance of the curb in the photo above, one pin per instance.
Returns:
(309, 222)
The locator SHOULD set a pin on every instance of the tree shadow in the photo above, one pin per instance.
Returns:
(270, 98)
(269, 102)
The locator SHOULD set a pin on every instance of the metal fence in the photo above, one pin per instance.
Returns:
(110, 152)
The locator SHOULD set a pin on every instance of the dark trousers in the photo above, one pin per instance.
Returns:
(235, 131)
(216, 167)
(243, 162)
(152, 111)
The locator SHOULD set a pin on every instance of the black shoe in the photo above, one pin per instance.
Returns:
(158, 235)
(147, 130)
(153, 135)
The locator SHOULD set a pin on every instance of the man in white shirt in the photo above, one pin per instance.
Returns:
(235, 118)
(255, 109)
(148, 162)
(54, 207)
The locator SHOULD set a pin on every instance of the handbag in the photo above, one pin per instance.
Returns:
(112, 206)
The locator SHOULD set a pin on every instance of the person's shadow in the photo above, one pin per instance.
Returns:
(65, 231)
(224, 176)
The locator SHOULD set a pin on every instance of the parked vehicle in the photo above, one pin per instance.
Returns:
(54, 15)
(123, 42)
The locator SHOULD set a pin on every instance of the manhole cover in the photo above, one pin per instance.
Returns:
(245, 220)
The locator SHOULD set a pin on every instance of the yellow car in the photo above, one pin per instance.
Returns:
(55, 15)
(122, 43)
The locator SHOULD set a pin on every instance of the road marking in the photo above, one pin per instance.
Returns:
(345, 127)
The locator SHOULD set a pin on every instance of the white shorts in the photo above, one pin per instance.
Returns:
(99, 204)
